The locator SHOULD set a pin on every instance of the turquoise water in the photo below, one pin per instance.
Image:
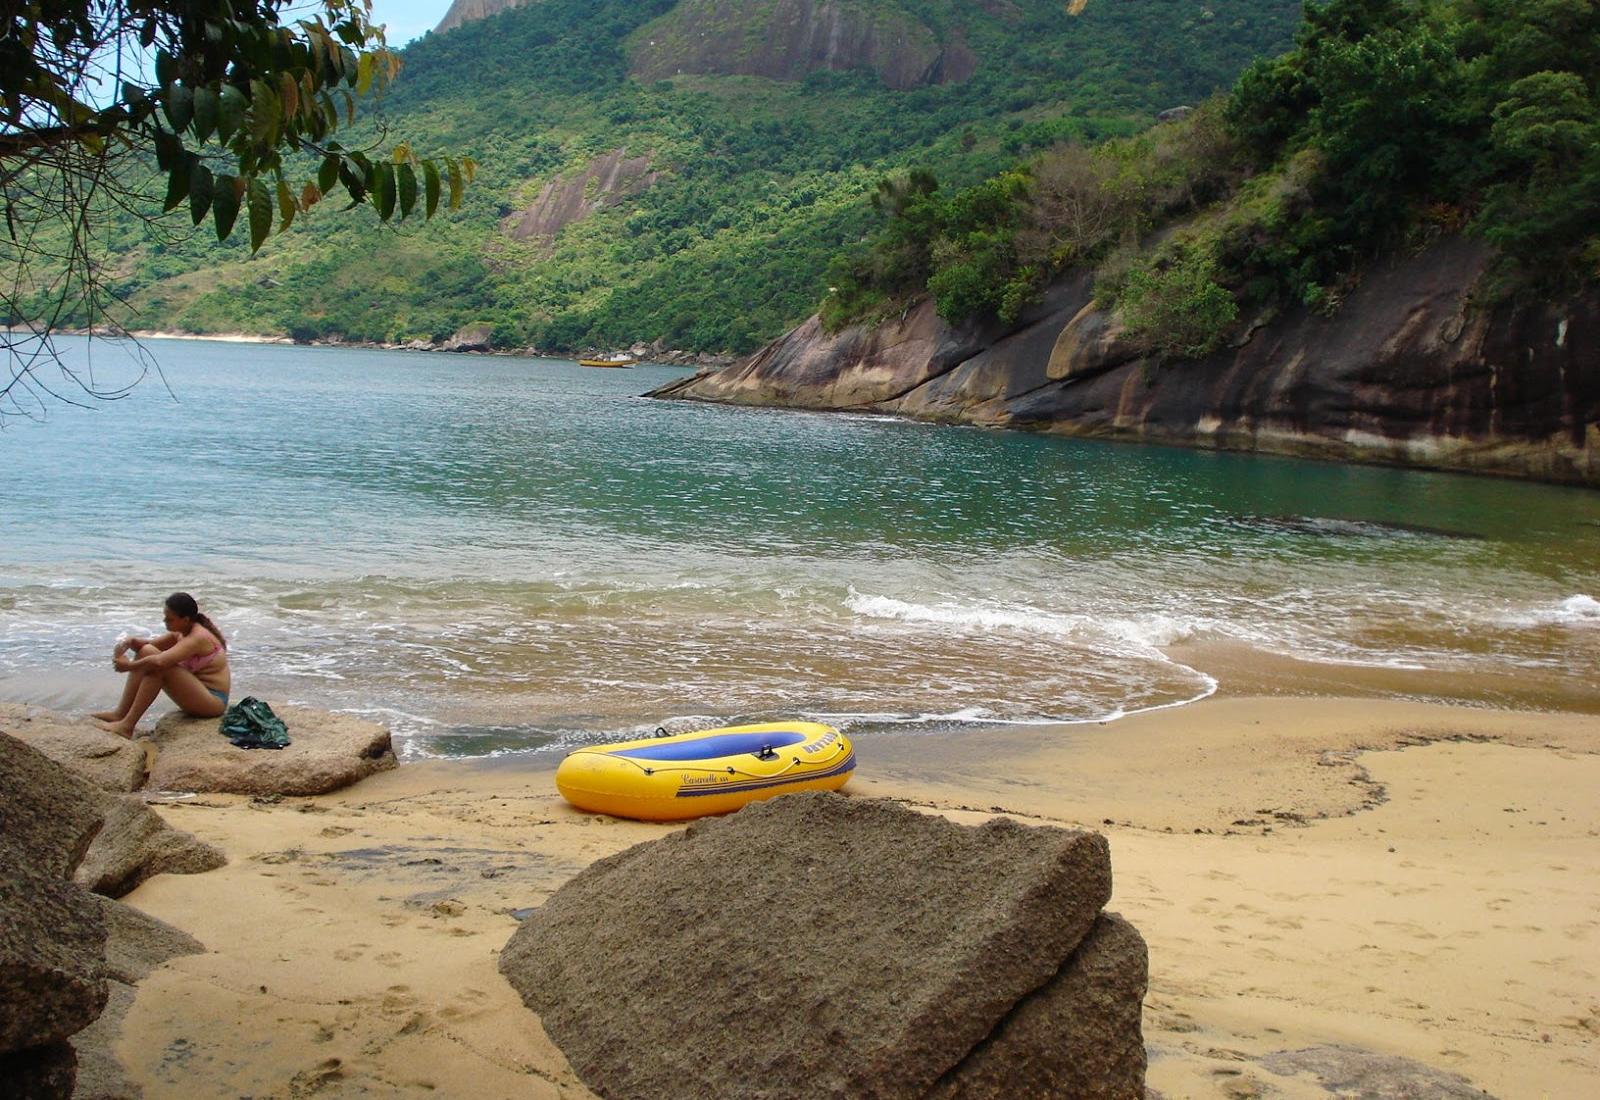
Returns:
(493, 554)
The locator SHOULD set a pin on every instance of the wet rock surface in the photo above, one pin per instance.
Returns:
(820, 945)
(1359, 1074)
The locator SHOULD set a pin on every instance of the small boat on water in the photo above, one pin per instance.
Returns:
(614, 361)
(674, 777)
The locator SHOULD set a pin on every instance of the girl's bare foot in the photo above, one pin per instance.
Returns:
(117, 728)
(105, 716)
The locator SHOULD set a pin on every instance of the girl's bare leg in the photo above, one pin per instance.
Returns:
(130, 687)
(182, 687)
(145, 692)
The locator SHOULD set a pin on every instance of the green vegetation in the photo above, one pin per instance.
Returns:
(239, 110)
(1390, 122)
(761, 183)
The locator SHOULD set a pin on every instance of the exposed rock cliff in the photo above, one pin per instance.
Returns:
(465, 11)
(1407, 372)
(787, 39)
(604, 182)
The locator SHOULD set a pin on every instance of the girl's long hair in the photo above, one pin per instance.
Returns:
(181, 603)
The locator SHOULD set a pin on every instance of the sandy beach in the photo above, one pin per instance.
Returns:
(1409, 879)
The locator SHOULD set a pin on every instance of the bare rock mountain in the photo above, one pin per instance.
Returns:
(788, 39)
(466, 11)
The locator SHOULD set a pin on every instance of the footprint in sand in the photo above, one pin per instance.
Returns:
(348, 954)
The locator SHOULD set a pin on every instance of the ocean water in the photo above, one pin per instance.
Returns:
(498, 555)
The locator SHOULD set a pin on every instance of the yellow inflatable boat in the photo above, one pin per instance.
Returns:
(672, 777)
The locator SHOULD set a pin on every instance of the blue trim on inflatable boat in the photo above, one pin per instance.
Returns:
(710, 748)
(848, 764)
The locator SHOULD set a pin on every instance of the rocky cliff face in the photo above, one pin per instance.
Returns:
(1408, 372)
(787, 39)
(465, 11)
(604, 181)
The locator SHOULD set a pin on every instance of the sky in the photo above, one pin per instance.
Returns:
(408, 19)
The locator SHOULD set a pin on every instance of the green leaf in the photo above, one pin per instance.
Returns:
(199, 193)
(225, 205)
(164, 68)
(232, 103)
(430, 188)
(207, 110)
(263, 112)
(260, 203)
(178, 182)
(383, 190)
(169, 149)
(455, 183)
(406, 179)
(328, 173)
(364, 74)
(179, 105)
(286, 206)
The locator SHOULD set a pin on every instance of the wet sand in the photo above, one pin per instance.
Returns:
(1407, 878)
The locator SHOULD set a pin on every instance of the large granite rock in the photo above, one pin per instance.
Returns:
(39, 1073)
(65, 954)
(1411, 370)
(48, 815)
(135, 843)
(1078, 1036)
(816, 945)
(327, 751)
(52, 955)
(52, 934)
(110, 762)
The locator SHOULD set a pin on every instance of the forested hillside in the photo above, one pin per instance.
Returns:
(1391, 124)
(638, 184)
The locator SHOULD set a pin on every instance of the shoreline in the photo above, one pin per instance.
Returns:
(671, 358)
(1406, 878)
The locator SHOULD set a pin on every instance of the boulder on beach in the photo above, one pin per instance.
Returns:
(110, 762)
(327, 751)
(52, 933)
(48, 815)
(52, 955)
(818, 945)
(66, 954)
(135, 843)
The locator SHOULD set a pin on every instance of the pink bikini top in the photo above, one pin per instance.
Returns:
(199, 660)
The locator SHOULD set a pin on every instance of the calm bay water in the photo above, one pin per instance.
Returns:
(502, 554)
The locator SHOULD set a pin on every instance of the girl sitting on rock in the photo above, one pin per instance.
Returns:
(189, 662)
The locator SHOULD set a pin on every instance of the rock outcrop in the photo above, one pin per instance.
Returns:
(1409, 371)
(130, 841)
(466, 11)
(788, 39)
(135, 844)
(478, 336)
(327, 751)
(604, 181)
(816, 945)
(109, 762)
(64, 953)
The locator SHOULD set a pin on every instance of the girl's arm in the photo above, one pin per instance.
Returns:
(172, 653)
(165, 641)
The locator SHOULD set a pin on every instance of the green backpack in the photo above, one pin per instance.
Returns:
(250, 724)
